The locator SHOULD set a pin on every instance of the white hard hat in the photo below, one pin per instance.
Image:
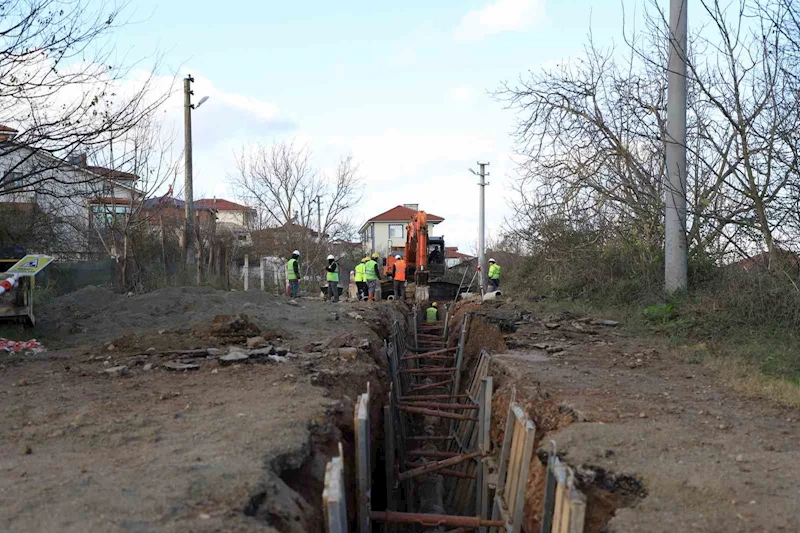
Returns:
(491, 260)
(331, 256)
(296, 252)
(397, 257)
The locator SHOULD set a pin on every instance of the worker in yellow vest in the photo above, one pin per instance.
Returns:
(494, 275)
(332, 275)
(432, 313)
(372, 275)
(361, 278)
(293, 274)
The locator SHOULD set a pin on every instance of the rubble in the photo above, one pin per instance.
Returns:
(233, 357)
(256, 342)
(118, 371)
(176, 365)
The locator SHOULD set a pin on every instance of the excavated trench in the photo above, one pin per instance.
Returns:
(290, 496)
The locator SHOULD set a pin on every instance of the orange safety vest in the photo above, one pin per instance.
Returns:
(400, 270)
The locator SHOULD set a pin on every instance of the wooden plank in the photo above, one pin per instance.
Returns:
(577, 511)
(426, 371)
(429, 397)
(560, 473)
(530, 437)
(389, 455)
(505, 452)
(434, 454)
(486, 444)
(460, 353)
(334, 497)
(363, 471)
(549, 495)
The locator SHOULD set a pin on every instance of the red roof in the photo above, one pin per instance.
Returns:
(451, 252)
(6, 129)
(401, 214)
(110, 173)
(221, 205)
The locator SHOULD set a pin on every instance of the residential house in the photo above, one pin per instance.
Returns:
(230, 213)
(69, 194)
(386, 233)
(453, 257)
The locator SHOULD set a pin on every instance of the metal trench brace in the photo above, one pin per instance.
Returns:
(425, 380)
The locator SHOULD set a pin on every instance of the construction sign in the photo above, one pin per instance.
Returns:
(30, 265)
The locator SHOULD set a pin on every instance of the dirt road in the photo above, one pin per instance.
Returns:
(146, 449)
(659, 444)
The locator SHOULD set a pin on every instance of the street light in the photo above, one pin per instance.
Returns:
(188, 237)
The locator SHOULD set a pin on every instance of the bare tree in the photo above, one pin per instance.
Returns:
(61, 91)
(282, 184)
(591, 136)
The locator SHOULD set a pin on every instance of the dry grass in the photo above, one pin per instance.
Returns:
(746, 378)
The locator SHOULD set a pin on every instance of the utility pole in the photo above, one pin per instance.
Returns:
(319, 218)
(188, 198)
(481, 223)
(675, 269)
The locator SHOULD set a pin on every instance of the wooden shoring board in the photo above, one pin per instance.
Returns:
(361, 423)
(334, 501)
(512, 481)
(485, 443)
(462, 341)
(569, 512)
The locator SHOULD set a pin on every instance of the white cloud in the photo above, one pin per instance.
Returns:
(500, 16)
(461, 95)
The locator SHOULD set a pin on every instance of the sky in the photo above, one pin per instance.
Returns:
(403, 87)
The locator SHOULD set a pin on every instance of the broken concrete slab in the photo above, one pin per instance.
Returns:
(256, 342)
(177, 365)
(281, 350)
(348, 352)
(261, 352)
(607, 323)
(233, 357)
(116, 370)
(277, 358)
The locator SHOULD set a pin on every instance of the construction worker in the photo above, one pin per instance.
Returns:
(494, 275)
(361, 278)
(372, 274)
(432, 313)
(293, 274)
(399, 278)
(332, 275)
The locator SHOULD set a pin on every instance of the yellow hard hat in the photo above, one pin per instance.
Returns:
(365, 260)
(434, 304)
(375, 255)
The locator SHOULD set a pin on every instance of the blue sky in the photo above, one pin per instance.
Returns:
(403, 87)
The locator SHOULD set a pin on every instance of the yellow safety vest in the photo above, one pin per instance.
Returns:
(334, 276)
(360, 272)
(370, 270)
(431, 314)
(494, 271)
(290, 269)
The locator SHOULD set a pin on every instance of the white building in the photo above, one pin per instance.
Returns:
(236, 218)
(70, 195)
(386, 233)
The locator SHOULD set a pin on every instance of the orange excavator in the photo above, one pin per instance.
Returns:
(425, 258)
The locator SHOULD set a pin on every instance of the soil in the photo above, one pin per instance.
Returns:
(658, 444)
(144, 449)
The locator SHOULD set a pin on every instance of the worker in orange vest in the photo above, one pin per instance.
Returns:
(399, 277)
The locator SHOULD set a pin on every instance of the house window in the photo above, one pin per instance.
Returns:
(12, 180)
(107, 215)
(107, 189)
(395, 231)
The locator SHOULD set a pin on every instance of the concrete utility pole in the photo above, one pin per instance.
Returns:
(188, 198)
(319, 218)
(481, 224)
(675, 270)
